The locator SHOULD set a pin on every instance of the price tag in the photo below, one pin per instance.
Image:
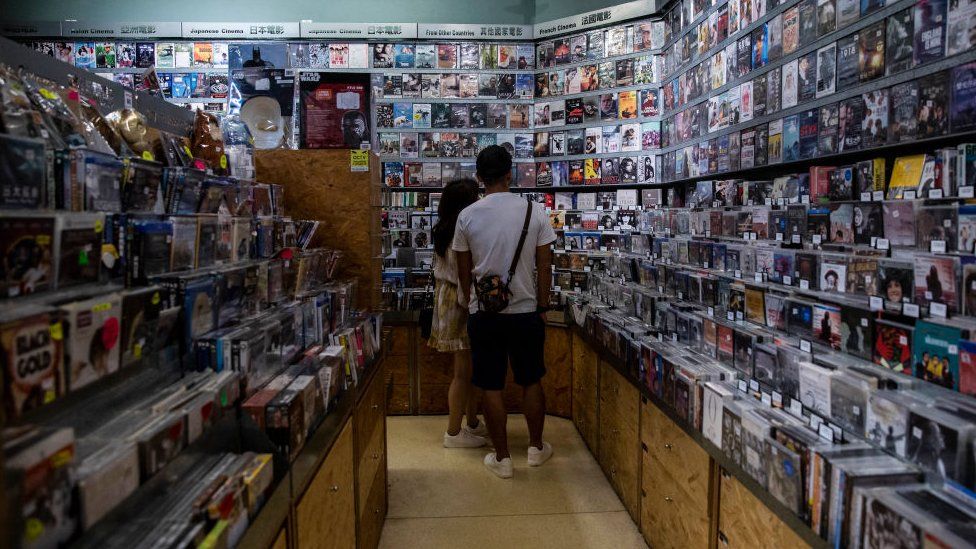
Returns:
(805, 346)
(730, 316)
(909, 309)
(706, 265)
(708, 233)
(777, 399)
(795, 239)
(935, 193)
(874, 242)
(738, 273)
(878, 196)
(804, 199)
(796, 408)
(804, 284)
(882, 244)
(674, 338)
(825, 432)
(938, 309)
(876, 303)
(660, 336)
(866, 196)
(599, 208)
(738, 315)
(681, 295)
(788, 280)
(779, 237)
(759, 277)
(127, 99)
(817, 239)
(603, 248)
(966, 192)
(660, 289)
(711, 312)
(938, 247)
(557, 288)
(909, 195)
(742, 386)
(815, 421)
(754, 385)
(769, 201)
(767, 399)
(586, 269)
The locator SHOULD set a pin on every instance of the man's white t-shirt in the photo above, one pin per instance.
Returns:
(490, 229)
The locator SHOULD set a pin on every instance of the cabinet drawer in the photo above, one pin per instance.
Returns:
(370, 413)
(326, 513)
(744, 521)
(585, 419)
(373, 514)
(674, 450)
(669, 516)
(373, 458)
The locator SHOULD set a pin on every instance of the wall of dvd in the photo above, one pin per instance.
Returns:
(138, 258)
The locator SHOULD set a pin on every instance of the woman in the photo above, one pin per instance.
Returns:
(448, 332)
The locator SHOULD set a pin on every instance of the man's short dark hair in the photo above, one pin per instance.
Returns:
(493, 163)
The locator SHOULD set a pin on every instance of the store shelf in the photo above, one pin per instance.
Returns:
(781, 511)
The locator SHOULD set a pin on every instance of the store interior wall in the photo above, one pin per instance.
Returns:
(518, 12)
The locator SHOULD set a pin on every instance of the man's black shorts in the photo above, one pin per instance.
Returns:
(498, 338)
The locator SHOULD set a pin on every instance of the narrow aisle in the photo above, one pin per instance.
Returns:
(442, 498)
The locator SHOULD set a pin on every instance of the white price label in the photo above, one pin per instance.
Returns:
(711, 312)
(769, 201)
(788, 280)
(938, 309)
(759, 277)
(876, 303)
(910, 309)
(804, 284)
(742, 386)
(738, 315)
(777, 399)
(866, 196)
(586, 269)
(127, 99)
(738, 273)
(754, 385)
(935, 193)
(966, 192)
(878, 196)
(805, 198)
(882, 244)
(795, 239)
(815, 421)
(767, 399)
(779, 237)
(805, 346)
(817, 239)
(706, 265)
(938, 247)
(730, 316)
(826, 433)
(909, 195)
(796, 408)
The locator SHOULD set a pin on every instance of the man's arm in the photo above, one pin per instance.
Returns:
(464, 265)
(543, 265)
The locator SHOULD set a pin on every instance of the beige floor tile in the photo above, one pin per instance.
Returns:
(427, 480)
(566, 531)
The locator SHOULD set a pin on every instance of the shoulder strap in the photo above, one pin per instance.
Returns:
(525, 232)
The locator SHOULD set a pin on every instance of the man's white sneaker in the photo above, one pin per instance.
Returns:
(501, 468)
(537, 457)
(480, 431)
(464, 439)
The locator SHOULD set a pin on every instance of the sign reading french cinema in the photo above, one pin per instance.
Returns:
(606, 16)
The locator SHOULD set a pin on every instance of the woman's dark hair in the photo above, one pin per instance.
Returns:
(457, 196)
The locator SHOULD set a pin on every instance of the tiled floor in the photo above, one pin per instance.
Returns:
(443, 498)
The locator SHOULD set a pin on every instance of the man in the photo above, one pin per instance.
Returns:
(486, 239)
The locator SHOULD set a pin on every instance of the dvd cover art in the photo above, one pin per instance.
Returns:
(933, 97)
(32, 359)
(847, 61)
(899, 37)
(892, 346)
(904, 100)
(929, 26)
(935, 223)
(851, 124)
(936, 353)
(874, 129)
(935, 281)
(871, 51)
(92, 335)
(932, 444)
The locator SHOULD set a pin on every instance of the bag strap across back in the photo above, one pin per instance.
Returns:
(521, 243)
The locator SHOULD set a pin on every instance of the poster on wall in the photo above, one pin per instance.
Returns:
(334, 110)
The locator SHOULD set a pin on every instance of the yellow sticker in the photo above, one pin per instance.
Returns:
(57, 332)
(44, 239)
(101, 307)
(187, 150)
(49, 396)
(47, 94)
(155, 298)
(33, 529)
(110, 249)
(62, 458)
(223, 161)
(146, 155)
(99, 226)
(137, 350)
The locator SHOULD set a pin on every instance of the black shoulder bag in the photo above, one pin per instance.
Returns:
(494, 293)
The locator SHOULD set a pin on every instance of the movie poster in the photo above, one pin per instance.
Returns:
(334, 110)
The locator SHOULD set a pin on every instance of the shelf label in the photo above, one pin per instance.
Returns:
(909, 195)
(866, 196)
(788, 280)
(882, 244)
(910, 309)
(805, 346)
(796, 408)
(938, 246)
(966, 191)
(878, 196)
(804, 284)
(754, 385)
(795, 239)
(817, 239)
(935, 193)
(937, 309)
(876, 303)
(777, 399)
(742, 386)
(767, 399)
(825, 432)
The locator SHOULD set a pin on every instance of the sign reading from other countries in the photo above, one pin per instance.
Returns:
(486, 32)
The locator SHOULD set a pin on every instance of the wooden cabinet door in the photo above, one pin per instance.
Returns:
(744, 521)
(326, 513)
(585, 388)
(627, 454)
(669, 516)
(676, 452)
